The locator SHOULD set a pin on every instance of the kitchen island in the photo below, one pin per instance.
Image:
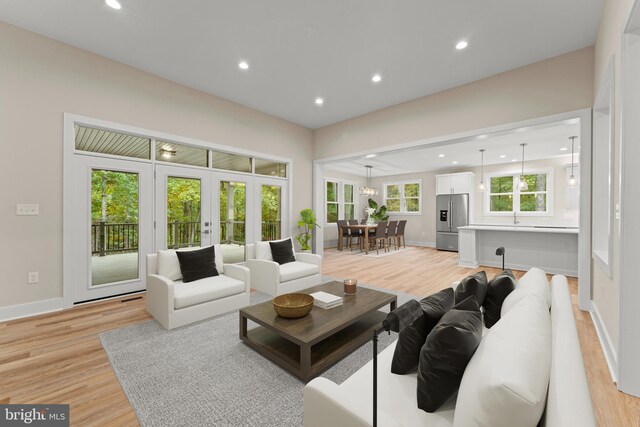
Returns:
(554, 249)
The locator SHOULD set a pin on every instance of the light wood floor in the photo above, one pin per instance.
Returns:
(58, 358)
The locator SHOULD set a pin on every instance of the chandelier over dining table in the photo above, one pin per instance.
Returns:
(367, 189)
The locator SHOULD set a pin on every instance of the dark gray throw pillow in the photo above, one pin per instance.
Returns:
(497, 290)
(198, 264)
(412, 338)
(474, 285)
(282, 251)
(446, 353)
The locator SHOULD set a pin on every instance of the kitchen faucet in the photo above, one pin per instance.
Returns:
(515, 218)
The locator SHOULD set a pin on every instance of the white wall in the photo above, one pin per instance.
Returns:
(40, 79)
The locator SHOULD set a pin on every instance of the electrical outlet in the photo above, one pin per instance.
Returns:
(33, 277)
(24, 209)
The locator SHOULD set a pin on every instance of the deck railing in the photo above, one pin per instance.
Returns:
(109, 238)
(232, 232)
(183, 234)
(271, 230)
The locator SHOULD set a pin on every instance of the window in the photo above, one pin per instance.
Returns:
(505, 195)
(340, 200)
(183, 154)
(331, 199)
(111, 142)
(230, 162)
(403, 197)
(268, 167)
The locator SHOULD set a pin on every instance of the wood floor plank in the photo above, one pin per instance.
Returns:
(58, 358)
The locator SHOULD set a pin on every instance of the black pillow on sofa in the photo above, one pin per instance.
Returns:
(282, 251)
(198, 264)
(412, 338)
(474, 285)
(446, 353)
(497, 290)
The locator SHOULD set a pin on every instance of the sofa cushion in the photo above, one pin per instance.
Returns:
(205, 290)
(474, 285)
(263, 249)
(505, 384)
(297, 269)
(446, 352)
(498, 289)
(169, 266)
(196, 265)
(534, 282)
(412, 338)
(282, 251)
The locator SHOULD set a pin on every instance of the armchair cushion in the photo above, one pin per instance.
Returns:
(169, 266)
(196, 265)
(204, 290)
(296, 269)
(263, 249)
(282, 251)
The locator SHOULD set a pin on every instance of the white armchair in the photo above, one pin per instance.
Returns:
(274, 279)
(174, 303)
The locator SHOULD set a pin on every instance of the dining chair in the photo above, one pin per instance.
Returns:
(355, 233)
(400, 234)
(342, 225)
(379, 236)
(392, 233)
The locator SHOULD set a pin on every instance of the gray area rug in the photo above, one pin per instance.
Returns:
(202, 374)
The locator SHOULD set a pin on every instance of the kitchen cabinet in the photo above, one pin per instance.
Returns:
(456, 183)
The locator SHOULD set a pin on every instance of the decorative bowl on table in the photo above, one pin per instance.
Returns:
(293, 306)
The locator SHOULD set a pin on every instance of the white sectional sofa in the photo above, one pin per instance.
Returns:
(174, 303)
(567, 403)
(274, 279)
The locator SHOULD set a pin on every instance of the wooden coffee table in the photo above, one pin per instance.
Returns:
(308, 346)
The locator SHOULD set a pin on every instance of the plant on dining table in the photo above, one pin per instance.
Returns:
(379, 214)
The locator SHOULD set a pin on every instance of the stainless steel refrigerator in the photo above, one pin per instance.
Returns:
(452, 211)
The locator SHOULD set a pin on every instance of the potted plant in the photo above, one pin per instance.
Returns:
(307, 222)
(378, 214)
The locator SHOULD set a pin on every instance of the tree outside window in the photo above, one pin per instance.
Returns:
(402, 197)
(331, 195)
(506, 196)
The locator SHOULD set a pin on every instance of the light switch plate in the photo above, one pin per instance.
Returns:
(24, 209)
(33, 277)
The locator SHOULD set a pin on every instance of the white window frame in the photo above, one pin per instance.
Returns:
(341, 202)
(403, 205)
(516, 192)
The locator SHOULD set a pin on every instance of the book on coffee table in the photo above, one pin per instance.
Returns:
(325, 300)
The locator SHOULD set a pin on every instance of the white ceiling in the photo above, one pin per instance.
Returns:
(301, 49)
(543, 142)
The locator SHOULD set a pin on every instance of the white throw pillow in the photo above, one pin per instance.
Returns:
(169, 266)
(263, 249)
(534, 282)
(505, 383)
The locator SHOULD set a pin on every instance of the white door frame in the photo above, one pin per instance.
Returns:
(285, 229)
(83, 166)
(629, 291)
(250, 225)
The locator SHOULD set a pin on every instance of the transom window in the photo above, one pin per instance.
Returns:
(505, 195)
(403, 197)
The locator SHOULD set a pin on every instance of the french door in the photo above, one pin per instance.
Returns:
(113, 210)
(198, 208)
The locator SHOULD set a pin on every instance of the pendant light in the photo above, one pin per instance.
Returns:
(572, 179)
(368, 190)
(481, 186)
(523, 184)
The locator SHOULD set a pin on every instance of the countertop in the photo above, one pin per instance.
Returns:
(523, 228)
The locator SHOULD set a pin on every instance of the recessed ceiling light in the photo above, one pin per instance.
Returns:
(503, 156)
(243, 65)
(441, 155)
(514, 160)
(376, 78)
(114, 4)
(462, 44)
(484, 136)
(370, 156)
(564, 149)
(319, 101)
(455, 162)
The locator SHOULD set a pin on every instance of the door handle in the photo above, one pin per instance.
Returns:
(450, 213)
(205, 232)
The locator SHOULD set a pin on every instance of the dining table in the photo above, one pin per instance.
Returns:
(359, 227)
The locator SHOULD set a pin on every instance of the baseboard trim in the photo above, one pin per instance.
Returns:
(423, 244)
(610, 354)
(19, 311)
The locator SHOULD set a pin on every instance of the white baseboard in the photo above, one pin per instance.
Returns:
(423, 244)
(30, 309)
(610, 353)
